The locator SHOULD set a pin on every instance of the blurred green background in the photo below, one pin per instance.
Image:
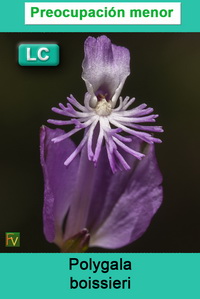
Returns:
(165, 74)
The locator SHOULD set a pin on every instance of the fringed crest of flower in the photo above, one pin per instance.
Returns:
(105, 69)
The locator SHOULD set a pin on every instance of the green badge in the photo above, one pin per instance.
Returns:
(12, 239)
(38, 55)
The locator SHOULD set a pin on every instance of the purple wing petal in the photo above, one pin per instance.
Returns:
(105, 67)
(108, 187)
(131, 200)
(59, 181)
(80, 204)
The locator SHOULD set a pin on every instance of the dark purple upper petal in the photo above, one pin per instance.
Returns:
(59, 181)
(105, 67)
(131, 198)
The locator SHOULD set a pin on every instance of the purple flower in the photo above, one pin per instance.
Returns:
(100, 206)
(105, 69)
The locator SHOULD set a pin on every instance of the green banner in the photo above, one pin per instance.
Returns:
(12, 19)
(138, 276)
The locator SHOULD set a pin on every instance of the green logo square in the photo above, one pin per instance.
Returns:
(12, 239)
(38, 55)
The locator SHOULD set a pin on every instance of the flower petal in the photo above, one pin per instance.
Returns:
(105, 68)
(80, 204)
(131, 200)
(59, 181)
(108, 187)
